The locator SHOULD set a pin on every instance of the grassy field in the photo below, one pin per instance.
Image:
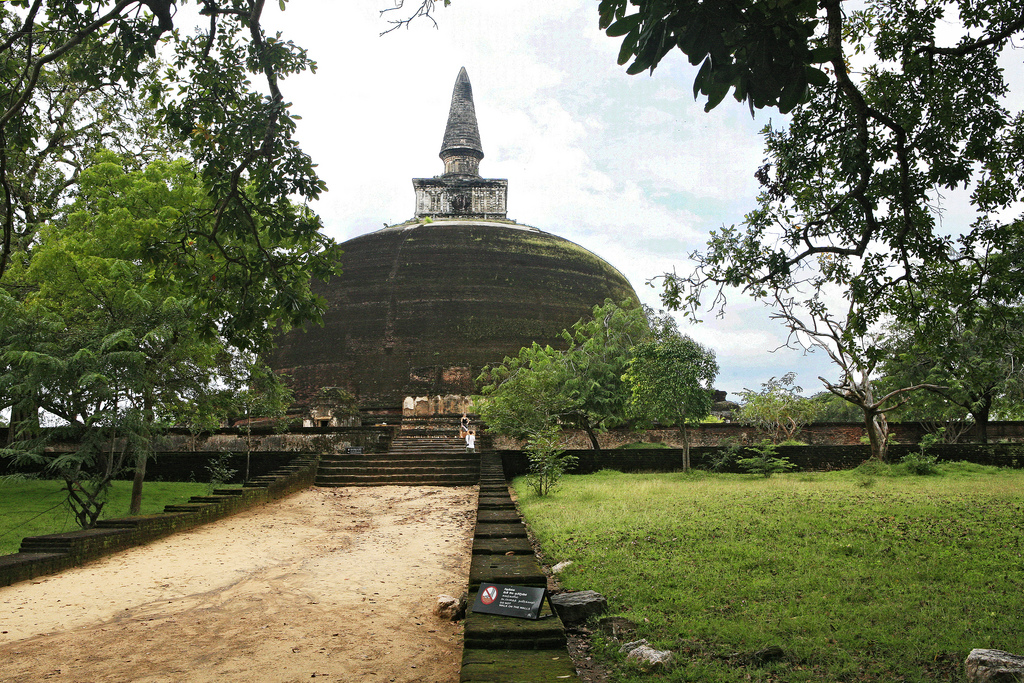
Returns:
(857, 575)
(36, 507)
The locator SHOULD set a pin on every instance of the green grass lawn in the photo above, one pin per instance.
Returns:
(857, 575)
(36, 507)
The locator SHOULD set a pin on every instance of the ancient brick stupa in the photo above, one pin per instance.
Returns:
(422, 306)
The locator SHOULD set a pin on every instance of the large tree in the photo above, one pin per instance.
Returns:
(578, 386)
(892, 104)
(965, 343)
(857, 355)
(114, 342)
(69, 66)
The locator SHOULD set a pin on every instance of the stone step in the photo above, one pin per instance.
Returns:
(502, 546)
(48, 546)
(394, 480)
(517, 570)
(495, 632)
(389, 482)
(515, 666)
(498, 516)
(388, 469)
(500, 530)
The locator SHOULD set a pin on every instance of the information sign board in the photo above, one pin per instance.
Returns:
(509, 601)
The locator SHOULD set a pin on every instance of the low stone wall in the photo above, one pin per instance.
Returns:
(807, 458)
(372, 439)
(52, 553)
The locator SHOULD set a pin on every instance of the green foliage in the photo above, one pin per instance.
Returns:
(726, 454)
(853, 182)
(219, 469)
(777, 409)
(219, 97)
(965, 345)
(547, 461)
(580, 386)
(766, 462)
(846, 580)
(831, 408)
(670, 381)
(761, 50)
(920, 463)
(112, 339)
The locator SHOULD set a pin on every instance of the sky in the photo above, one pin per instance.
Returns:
(629, 167)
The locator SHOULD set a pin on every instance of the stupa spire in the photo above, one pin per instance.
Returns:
(461, 150)
(461, 192)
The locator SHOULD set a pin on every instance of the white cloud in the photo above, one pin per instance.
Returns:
(629, 167)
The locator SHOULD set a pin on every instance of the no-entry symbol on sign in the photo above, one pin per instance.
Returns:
(489, 595)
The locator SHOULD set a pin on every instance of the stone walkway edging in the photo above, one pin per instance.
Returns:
(41, 555)
(499, 649)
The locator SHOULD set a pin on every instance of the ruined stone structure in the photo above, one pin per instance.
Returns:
(422, 306)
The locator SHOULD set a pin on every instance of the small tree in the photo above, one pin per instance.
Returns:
(777, 409)
(580, 386)
(766, 461)
(670, 381)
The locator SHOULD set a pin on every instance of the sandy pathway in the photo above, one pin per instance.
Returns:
(337, 584)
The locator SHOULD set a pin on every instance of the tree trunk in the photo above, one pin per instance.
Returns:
(141, 456)
(140, 476)
(981, 418)
(686, 446)
(592, 436)
(877, 428)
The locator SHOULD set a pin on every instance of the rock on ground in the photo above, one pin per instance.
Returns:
(994, 666)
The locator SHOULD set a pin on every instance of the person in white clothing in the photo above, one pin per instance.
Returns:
(470, 442)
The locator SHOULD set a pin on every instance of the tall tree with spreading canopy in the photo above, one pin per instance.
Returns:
(886, 115)
(64, 61)
(110, 343)
(963, 340)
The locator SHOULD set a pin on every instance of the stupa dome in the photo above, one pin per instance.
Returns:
(422, 306)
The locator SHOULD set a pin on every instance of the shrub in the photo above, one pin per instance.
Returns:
(219, 471)
(726, 454)
(922, 463)
(766, 463)
(919, 464)
(547, 462)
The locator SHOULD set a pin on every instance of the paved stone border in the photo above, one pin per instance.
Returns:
(40, 555)
(501, 649)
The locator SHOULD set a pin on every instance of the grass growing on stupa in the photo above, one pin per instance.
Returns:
(862, 575)
(36, 507)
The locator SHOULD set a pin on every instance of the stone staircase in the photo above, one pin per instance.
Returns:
(412, 460)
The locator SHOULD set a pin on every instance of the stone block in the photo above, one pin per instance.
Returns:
(516, 666)
(577, 607)
(515, 570)
(994, 666)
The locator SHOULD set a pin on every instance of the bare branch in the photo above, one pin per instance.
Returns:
(424, 10)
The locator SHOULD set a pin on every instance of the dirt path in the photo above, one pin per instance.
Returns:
(332, 584)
